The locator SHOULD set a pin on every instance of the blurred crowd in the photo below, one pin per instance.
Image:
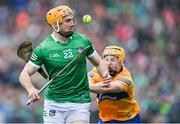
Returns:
(149, 31)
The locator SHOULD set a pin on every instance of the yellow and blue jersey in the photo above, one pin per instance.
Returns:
(116, 106)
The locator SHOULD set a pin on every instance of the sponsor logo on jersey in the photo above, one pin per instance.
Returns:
(112, 96)
(53, 55)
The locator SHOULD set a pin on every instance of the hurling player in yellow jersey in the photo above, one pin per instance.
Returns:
(115, 100)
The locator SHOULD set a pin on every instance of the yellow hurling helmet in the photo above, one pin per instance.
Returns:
(116, 51)
(57, 13)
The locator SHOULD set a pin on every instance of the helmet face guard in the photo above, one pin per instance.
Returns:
(116, 51)
(55, 17)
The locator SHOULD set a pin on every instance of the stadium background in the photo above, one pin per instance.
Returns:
(147, 29)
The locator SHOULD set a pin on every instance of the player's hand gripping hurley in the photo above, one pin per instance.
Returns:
(49, 82)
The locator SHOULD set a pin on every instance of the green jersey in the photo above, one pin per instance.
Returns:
(72, 84)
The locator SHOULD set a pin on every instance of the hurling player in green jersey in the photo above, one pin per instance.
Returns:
(67, 99)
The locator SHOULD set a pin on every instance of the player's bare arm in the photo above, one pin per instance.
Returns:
(100, 66)
(25, 80)
(98, 87)
(101, 87)
(115, 87)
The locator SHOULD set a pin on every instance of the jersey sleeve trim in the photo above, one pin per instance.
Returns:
(33, 56)
(91, 75)
(125, 81)
(91, 55)
(34, 65)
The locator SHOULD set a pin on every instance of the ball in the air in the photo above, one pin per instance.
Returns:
(87, 19)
